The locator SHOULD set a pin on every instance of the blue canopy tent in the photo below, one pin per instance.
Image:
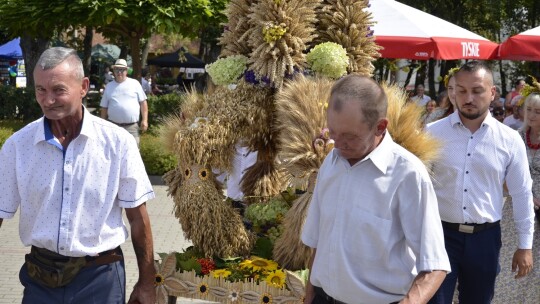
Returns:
(11, 50)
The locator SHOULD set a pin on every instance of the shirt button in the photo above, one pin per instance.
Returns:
(468, 154)
(465, 190)
(68, 162)
(464, 208)
(67, 189)
(466, 172)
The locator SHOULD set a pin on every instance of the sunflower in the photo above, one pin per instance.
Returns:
(257, 264)
(221, 273)
(203, 289)
(164, 280)
(276, 278)
(266, 298)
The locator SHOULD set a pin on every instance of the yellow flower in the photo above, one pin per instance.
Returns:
(257, 264)
(220, 273)
(203, 289)
(266, 298)
(276, 278)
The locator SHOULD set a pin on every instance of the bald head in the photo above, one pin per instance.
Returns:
(363, 92)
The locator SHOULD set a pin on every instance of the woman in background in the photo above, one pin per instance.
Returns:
(507, 288)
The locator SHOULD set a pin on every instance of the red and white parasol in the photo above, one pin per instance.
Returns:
(523, 46)
(409, 33)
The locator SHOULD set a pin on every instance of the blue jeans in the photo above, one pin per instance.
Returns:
(92, 285)
(474, 260)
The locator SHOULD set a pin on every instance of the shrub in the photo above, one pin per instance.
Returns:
(161, 106)
(8, 127)
(18, 103)
(156, 160)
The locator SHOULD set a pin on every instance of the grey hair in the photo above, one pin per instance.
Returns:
(54, 56)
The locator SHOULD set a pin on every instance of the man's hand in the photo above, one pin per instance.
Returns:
(522, 262)
(144, 126)
(536, 203)
(143, 294)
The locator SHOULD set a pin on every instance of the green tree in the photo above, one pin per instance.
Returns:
(133, 20)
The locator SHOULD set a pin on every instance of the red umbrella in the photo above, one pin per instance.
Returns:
(523, 46)
(408, 33)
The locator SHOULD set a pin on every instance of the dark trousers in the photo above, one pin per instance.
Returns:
(474, 260)
(92, 285)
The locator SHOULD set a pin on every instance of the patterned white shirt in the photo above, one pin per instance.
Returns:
(469, 176)
(71, 200)
(375, 226)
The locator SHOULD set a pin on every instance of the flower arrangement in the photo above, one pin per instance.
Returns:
(329, 59)
(254, 279)
(225, 71)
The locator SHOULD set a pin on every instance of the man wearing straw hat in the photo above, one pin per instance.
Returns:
(124, 101)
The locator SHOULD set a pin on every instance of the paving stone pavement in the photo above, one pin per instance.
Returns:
(167, 232)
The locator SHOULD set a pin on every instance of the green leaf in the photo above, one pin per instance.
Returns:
(263, 248)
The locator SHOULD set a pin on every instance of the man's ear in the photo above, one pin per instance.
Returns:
(381, 126)
(85, 86)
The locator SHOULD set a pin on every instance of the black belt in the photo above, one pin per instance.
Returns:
(321, 293)
(469, 228)
(124, 124)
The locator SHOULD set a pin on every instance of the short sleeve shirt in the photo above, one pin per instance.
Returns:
(375, 225)
(71, 200)
(123, 100)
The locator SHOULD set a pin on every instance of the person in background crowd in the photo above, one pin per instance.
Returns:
(107, 76)
(432, 112)
(146, 83)
(383, 249)
(72, 175)
(420, 98)
(498, 101)
(515, 121)
(508, 289)
(468, 181)
(124, 101)
(498, 113)
(518, 86)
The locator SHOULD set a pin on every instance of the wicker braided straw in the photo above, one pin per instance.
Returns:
(237, 31)
(213, 226)
(301, 117)
(281, 33)
(347, 23)
(404, 124)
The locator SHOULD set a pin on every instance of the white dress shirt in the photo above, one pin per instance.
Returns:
(470, 174)
(375, 226)
(243, 159)
(71, 200)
